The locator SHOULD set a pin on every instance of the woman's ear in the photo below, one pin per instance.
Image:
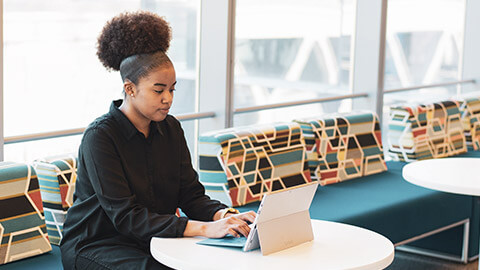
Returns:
(129, 88)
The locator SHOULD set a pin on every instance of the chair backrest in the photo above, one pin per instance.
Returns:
(22, 225)
(343, 146)
(239, 165)
(57, 176)
(425, 131)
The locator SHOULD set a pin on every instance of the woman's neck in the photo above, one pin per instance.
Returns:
(138, 120)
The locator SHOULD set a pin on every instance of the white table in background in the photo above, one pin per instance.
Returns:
(453, 175)
(335, 246)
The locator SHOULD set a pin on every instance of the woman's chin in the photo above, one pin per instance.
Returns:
(159, 118)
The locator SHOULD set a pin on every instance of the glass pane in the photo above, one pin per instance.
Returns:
(53, 79)
(425, 48)
(291, 50)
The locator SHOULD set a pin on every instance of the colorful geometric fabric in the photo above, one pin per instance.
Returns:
(426, 131)
(240, 165)
(343, 146)
(22, 226)
(57, 176)
(470, 110)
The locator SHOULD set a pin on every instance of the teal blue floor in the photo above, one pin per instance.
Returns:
(409, 261)
(402, 261)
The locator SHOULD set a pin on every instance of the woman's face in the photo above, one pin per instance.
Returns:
(153, 95)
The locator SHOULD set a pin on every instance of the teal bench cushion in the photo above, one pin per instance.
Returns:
(391, 206)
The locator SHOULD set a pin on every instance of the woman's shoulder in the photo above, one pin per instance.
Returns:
(103, 124)
(172, 121)
(170, 125)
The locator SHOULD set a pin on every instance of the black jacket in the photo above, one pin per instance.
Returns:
(130, 186)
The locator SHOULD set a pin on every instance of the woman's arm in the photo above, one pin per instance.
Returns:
(192, 198)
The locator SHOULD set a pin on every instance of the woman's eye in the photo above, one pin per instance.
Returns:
(171, 90)
(158, 91)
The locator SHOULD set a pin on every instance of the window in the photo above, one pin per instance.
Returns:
(285, 51)
(53, 79)
(291, 50)
(423, 49)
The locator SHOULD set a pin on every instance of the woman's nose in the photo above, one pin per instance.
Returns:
(167, 97)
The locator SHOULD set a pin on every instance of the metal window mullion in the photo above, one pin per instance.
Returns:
(43, 135)
(194, 151)
(213, 62)
(296, 103)
(470, 55)
(2, 120)
(471, 81)
(79, 131)
(229, 102)
(195, 116)
(381, 59)
(367, 51)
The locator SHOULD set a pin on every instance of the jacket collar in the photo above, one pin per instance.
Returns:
(128, 129)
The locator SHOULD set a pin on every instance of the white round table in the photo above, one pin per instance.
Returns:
(335, 246)
(454, 175)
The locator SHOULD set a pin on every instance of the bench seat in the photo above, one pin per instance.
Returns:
(395, 208)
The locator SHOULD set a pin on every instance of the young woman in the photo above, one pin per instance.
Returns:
(134, 166)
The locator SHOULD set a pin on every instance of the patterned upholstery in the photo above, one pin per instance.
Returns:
(239, 165)
(57, 176)
(426, 131)
(343, 146)
(470, 110)
(22, 226)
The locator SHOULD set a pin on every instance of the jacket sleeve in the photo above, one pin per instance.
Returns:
(193, 200)
(106, 174)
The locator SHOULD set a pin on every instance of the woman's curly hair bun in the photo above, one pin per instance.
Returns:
(132, 33)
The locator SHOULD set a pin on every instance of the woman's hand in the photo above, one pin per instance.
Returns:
(235, 224)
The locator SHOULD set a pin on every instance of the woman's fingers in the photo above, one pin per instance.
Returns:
(239, 231)
(244, 229)
(233, 232)
(236, 225)
(247, 216)
(251, 216)
(239, 226)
